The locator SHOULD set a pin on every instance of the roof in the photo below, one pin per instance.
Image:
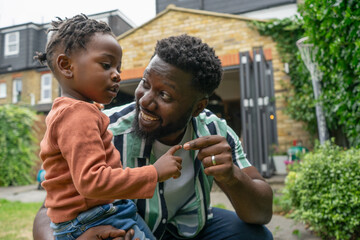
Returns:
(97, 15)
(172, 7)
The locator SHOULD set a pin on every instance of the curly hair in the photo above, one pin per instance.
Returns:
(191, 55)
(70, 34)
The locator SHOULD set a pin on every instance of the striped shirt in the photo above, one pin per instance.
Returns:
(136, 152)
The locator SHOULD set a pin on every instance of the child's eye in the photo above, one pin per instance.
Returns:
(106, 66)
(118, 69)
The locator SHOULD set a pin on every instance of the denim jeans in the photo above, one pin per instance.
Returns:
(226, 225)
(120, 214)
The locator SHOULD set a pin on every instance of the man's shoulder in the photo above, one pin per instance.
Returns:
(121, 118)
(208, 122)
(207, 117)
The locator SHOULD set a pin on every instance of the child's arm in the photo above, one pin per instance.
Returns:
(94, 162)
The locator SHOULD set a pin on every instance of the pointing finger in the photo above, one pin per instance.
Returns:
(173, 149)
(202, 142)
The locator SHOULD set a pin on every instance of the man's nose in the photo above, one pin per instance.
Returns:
(148, 100)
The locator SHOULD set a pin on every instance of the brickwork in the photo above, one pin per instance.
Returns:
(31, 86)
(228, 34)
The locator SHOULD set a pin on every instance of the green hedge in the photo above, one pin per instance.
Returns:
(324, 190)
(333, 27)
(17, 145)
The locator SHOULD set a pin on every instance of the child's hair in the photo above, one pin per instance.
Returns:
(70, 34)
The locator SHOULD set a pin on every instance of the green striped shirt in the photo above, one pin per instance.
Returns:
(135, 152)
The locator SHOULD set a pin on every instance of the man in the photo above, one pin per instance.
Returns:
(170, 110)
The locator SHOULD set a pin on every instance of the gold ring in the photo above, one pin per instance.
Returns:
(213, 160)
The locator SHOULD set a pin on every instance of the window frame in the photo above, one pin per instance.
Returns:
(3, 90)
(15, 92)
(44, 88)
(8, 44)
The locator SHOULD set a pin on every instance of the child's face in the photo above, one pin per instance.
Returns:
(96, 70)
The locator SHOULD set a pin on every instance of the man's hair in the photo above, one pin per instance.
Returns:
(191, 55)
(70, 34)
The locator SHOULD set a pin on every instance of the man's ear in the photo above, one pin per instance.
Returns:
(200, 106)
(63, 63)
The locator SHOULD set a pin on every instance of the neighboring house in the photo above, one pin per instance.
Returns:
(259, 9)
(247, 57)
(22, 79)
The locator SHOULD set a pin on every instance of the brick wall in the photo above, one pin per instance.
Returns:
(31, 84)
(228, 34)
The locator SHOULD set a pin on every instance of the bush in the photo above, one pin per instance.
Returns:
(333, 27)
(324, 191)
(17, 145)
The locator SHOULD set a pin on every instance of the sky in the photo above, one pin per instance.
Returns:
(13, 12)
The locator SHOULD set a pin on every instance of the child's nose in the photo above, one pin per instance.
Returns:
(116, 77)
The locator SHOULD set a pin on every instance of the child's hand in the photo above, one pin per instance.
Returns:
(99, 105)
(168, 165)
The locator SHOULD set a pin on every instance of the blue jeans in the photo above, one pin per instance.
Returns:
(120, 214)
(226, 225)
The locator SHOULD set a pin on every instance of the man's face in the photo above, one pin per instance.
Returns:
(165, 102)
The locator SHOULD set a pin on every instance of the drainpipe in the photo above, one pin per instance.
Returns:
(32, 99)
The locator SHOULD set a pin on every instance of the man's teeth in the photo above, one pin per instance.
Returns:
(147, 117)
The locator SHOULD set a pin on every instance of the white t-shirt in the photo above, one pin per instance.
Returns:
(178, 191)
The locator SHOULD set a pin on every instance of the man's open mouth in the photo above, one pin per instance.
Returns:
(148, 117)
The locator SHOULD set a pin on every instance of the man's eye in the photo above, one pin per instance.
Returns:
(145, 84)
(106, 66)
(165, 96)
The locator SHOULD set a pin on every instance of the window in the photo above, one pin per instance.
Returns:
(46, 87)
(17, 88)
(2, 90)
(11, 43)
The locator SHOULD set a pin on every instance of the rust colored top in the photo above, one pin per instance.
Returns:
(83, 167)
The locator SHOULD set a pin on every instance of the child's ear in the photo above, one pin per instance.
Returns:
(64, 65)
(200, 106)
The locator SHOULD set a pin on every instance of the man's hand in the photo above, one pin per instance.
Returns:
(168, 165)
(248, 192)
(215, 155)
(106, 231)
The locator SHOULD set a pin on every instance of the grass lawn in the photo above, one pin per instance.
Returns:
(16, 219)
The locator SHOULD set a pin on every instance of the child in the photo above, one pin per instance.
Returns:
(83, 170)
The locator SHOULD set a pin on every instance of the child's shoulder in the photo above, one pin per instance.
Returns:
(64, 107)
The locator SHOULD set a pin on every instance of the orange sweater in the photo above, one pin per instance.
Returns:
(83, 167)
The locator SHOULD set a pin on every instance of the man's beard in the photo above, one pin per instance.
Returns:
(161, 131)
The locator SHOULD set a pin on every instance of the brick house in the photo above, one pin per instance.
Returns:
(229, 35)
(234, 41)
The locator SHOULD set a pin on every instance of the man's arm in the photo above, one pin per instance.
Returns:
(41, 226)
(249, 194)
(42, 230)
